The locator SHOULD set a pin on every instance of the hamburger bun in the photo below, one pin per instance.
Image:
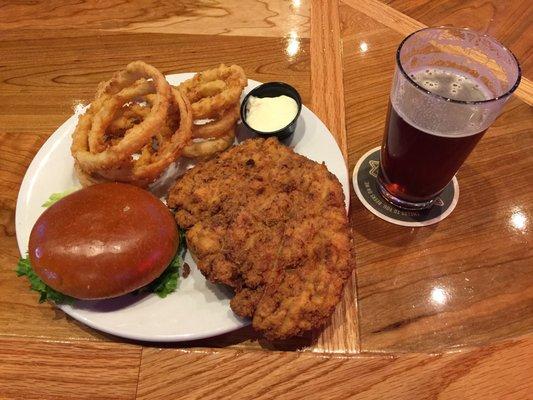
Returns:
(103, 241)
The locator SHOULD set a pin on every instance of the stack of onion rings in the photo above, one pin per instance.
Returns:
(134, 129)
(214, 94)
(138, 124)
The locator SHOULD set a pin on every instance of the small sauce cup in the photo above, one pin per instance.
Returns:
(274, 89)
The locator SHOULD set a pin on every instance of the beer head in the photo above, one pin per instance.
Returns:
(452, 82)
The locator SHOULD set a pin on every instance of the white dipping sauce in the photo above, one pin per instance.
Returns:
(268, 114)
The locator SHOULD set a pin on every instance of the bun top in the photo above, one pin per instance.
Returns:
(103, 241)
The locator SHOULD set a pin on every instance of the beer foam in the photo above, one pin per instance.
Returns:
(442, 116)
(452, 84)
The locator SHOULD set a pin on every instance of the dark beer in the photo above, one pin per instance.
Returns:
(416, 165)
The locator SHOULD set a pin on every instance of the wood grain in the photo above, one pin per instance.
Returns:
(405, 25)
(500, 371)
(326, 69)
(275, 18)
(467, 280)
(67, 370)
(327, 102)
(508, 21)
(34, 83)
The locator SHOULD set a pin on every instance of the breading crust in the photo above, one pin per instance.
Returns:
(272, 225)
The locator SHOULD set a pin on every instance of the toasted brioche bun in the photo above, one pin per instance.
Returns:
(103, 241)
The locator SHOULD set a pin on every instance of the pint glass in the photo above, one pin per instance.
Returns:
(449, 85)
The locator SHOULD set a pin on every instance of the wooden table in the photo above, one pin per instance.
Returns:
(388, 338)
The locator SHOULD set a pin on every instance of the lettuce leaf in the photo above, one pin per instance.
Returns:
(55, 197)
(24, 268)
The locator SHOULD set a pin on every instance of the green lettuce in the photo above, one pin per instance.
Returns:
(55, 197)
(24, 268)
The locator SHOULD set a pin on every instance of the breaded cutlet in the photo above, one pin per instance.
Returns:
(271, 224)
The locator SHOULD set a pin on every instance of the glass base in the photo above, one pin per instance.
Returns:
(404, 204)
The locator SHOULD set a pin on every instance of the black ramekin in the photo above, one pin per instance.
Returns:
(274, 89)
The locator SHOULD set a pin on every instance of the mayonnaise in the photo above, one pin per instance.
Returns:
(268, 114)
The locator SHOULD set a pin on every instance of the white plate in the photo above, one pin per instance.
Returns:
(198, 309)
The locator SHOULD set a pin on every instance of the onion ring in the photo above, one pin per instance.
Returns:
(169, 150)
(85, 178)
(218, 128)
(112, 96)
(105, 108)
(208, 97)
(126, 118)
(138, 124)
(206, 89)
(171, 141)
(210, 147)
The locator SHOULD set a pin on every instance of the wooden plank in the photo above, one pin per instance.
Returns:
(507, 21)
(275, 18)
(64, 370)
(327, 101)
(525, 91)
(500, 371)
(406, 25)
